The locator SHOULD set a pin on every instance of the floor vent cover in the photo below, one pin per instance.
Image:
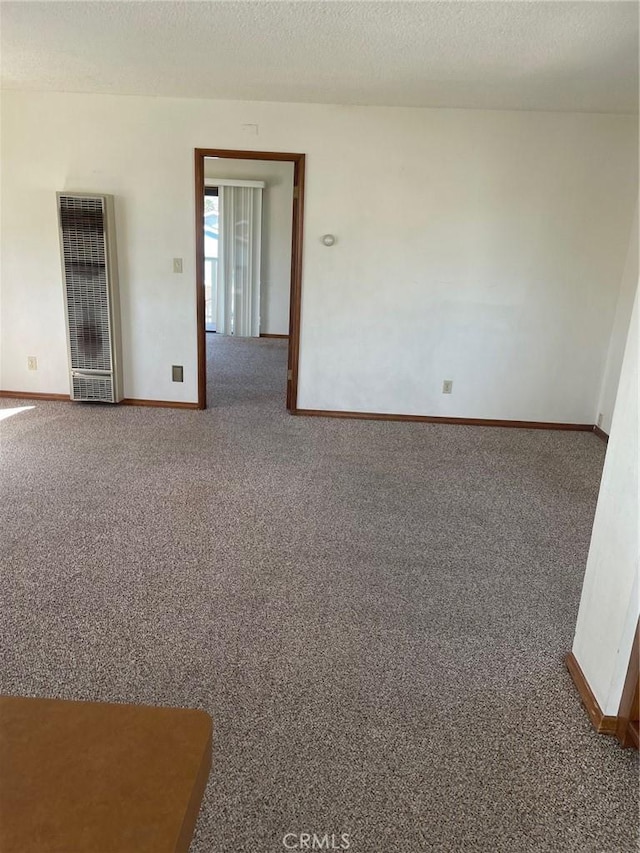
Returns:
(98, 388)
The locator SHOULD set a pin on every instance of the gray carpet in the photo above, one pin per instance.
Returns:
(375, 614)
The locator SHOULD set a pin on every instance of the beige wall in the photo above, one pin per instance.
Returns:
(484, 247)
(609, 606)
(628, 287)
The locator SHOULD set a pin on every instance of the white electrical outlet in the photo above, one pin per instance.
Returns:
(447, 386)
(32, 362)
(600, 419)
(177, 264)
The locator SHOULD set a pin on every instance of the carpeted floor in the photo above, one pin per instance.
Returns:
(375, 614)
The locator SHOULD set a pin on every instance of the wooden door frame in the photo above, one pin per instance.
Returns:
(628, 710)
(295, 295)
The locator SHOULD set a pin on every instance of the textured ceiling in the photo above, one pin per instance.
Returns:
(493, 55)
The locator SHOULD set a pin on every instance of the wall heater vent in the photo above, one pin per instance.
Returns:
(90, 277)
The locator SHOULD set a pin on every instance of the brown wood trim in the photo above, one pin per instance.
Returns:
(279, 337)
(232, 154)
(602, 724)
(65, 398)
(297, 231)
(322, 413)
(200, 306)
(601, 434)
(429, 419)
(295, 298)
(629, 711)
(32, 395)
(159, 404)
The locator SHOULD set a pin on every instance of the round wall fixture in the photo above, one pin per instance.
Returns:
(328, 239)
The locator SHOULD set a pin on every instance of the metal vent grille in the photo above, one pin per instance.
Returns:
(98, 388)
(82, 221)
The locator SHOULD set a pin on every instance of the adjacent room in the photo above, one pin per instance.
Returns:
(248, 207)
(319, 427)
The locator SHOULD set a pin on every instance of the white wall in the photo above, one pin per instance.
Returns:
(482, 247)
(277, 209)
(609, 605)
(618, 339)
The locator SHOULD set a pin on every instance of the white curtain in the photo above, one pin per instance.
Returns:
(240, 230)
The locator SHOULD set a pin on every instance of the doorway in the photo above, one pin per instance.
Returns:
(208, 280)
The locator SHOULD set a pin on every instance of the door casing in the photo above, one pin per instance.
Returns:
(295, 295)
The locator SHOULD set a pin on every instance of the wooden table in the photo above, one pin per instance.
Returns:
(87, 777)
